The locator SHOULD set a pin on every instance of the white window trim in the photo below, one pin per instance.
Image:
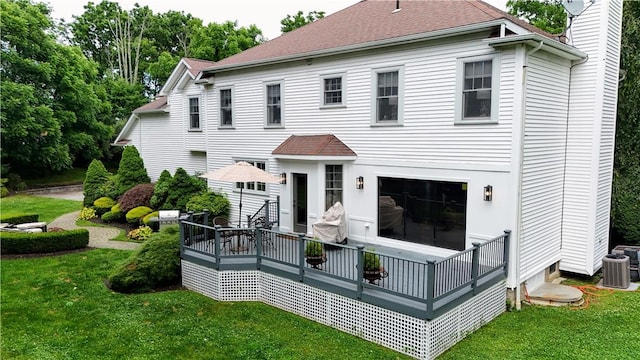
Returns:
(200, 113)
(233, 113)
(374, 96)
(495, 89)
(323, 77)
(251, 191)
(264, 104)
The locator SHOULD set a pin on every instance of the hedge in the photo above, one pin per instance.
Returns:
(19, 218)
(45, 242)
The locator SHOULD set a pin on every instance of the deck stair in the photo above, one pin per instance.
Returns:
(556, 294)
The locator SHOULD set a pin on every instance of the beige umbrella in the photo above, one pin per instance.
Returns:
(242, 172)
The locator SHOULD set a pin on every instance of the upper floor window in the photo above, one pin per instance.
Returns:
(274, 105)
(194, 113)
(387, 96)
(477, 95)
(226, 111)
(332, 91)
(254, 185)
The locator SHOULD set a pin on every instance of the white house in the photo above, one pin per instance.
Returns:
(436, 123)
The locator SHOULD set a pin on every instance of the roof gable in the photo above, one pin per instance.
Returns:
(371, 21)
(156, 105)
(313, 145)
(187, 67)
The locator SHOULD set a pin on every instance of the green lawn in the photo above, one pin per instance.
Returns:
(609, 328)
(58, 308)
(48, 208)
(70, 177)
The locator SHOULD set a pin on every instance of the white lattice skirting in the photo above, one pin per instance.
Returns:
(419, 338)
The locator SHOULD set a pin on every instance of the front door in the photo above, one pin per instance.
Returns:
(300, 203)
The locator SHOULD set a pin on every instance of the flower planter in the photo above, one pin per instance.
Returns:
(373, 275)
(316, 261)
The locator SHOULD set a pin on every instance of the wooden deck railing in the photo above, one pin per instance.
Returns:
(423, 289)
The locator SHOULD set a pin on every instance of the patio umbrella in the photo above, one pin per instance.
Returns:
(243, 172)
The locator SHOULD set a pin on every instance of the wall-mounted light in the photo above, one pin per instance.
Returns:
(283, 178)
(488, 193)
(360, 183)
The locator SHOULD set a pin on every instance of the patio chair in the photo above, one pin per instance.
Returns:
(225, 236)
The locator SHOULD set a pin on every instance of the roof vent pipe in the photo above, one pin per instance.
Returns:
(397, 7)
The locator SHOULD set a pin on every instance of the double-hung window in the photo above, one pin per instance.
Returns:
(194, 113)
(477, 93)
(333, 185)
(226, 109)
(254, 185)
(274, 105)
(332, 91)
(387, 97)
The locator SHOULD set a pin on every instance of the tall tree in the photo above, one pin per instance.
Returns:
(292, 22)
(548, 15)
(218, 41)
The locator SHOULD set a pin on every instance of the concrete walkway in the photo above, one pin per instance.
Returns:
(99, 237)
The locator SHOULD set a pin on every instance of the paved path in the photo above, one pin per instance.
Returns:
(99, 237)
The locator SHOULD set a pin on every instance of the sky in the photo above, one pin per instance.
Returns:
(266, 14)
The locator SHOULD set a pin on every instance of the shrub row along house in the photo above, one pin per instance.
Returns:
(438, 124)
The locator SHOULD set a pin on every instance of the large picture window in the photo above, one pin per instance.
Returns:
(333, 185)
(194, 113)
(423, 211)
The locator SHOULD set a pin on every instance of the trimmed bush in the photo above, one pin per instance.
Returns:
(217, 204)
(161, 190)
(103, 205)
(110, 216)
(134, 215)
(131, 171)
(182, 188)
(139, 195)
(146, 218)
(94, 179)
(46, 242)
(18, 218)
(156, 264)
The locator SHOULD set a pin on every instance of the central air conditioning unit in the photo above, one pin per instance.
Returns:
(615, 271)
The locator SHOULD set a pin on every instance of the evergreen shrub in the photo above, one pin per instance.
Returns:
(94, 179)
(139, 195)
(131, 171)
(136, 214)
(161, 190)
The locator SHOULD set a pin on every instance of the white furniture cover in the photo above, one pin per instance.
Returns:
(390, 213)
(333, 225)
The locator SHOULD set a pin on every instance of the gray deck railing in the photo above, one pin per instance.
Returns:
(421, 289)
(268, 215)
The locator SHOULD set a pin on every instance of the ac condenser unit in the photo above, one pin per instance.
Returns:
(615, 271)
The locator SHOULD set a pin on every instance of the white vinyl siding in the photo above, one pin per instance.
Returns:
(543, 164)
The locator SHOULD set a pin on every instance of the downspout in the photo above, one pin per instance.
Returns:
(520, 170)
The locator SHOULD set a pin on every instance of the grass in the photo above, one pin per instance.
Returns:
(58, 307)
(47, 208)
(70, 177)
(609, 328)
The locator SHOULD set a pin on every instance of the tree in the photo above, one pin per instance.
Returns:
(292, 22)
(161, 190)
(548, 15)
(131, 171)
(218, 41)
(95, 177)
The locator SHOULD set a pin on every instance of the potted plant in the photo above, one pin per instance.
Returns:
(372, 269)
(314, 254)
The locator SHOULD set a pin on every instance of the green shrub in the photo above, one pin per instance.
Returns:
(217, 204)
(18, 218)
(139, 195)
(182, 187)
(46, 242)
(94, 179)
(371, 261)
(87, 214)
(156, 264)
(3, 188)
(134, 215)
(147, 218)
(103, 205)
(110, 216)
(108, 188)
(313, 248)
(131, 171)
(140, 234)
(625, 209)
(161, 190)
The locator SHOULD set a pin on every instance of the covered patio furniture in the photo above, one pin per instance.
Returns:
(390, 214)
(333, 225)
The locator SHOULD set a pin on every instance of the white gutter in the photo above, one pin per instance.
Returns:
(432, 35)
(534, 40)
